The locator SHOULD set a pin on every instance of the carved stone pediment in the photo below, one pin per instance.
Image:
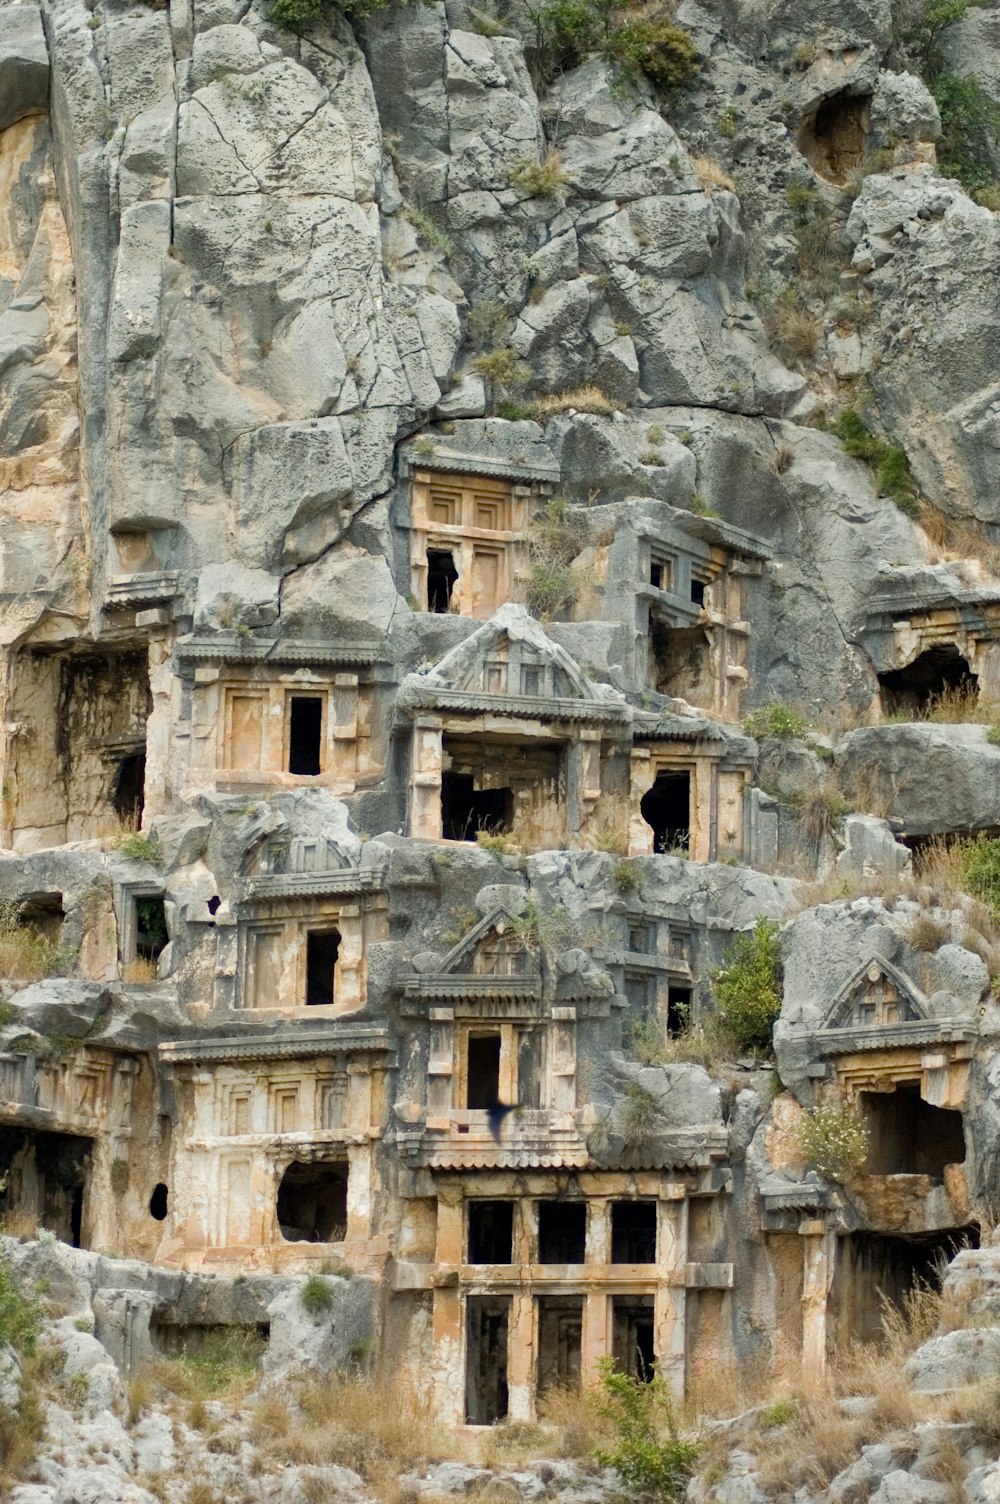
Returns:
(511, 664)
(877, 995)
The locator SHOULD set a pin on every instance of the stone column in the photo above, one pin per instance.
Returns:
(818, 1257)
(522, 1351)
(447, 1378)
(642, 772)
(425, 779)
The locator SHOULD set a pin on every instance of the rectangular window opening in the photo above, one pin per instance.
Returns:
(466, 809)
(442, 577)
(305, 730)
(322, 949)
(483, 1071)
(667, 809)
(312, 1202)
(562, 1232)
(697, 592)
(491, 1232)
(633, 1232)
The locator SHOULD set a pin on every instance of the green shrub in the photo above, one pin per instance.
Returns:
(542, 179)
(652, 1460)
(430, 233)
(981, 869)
(625, 876)
(554, 540)
(140, 848)
(20, 1317)
(747, 987)
(636, 1115)
(970, 130)
(651, 43)
(295, 14)
(834, 1140)
(776, 720)
(503, 371)
(893, 476)
(316, 1296)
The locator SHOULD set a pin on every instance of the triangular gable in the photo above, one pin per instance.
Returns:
(286, 856)
(877, 995)
(491, 948)
(512, 655)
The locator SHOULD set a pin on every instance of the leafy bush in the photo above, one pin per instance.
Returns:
(636, 1113)
(748, 987)
(981, 869)
(316, 1295)
(540, 179)
(970, 130)
(651, 43)
(502, 370)
(140, 848)
(626, 877)
(893, 477)
(20, 1317)
(650, 1457)
(298, 13)
(554, 540)
(834, 1140)
(775, 720)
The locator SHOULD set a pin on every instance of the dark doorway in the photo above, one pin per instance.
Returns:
(907, 1136)
(941, 670)
(44, 913)
(562, 1232)
(697, 592)
(483, 1071)
(312, 1202)
(158, 1203)
(666, 809)
(678, 1010)
(491, 1232)
(322, 950)
(632, 1335)
(128, 793)
(305, 730)
(560, 1341)
(873, 1270)
(487, 1320)
(150, 928)
(466, 809)
(633, 1232)
(44, 1180)
(441, 577)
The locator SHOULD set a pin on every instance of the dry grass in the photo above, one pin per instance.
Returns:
(22, 1225)
(947, 1466)
(927, 933)
(951, 538)
(576, 1423)
(139, 971)
(794, 332)
(583, 399)
(712, 175)
(350, 1422)
(606, 828)
(26, 955)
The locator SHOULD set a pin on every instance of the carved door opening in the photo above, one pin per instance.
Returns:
(322, 950)
(305, 731)
(442, 577)
(483, 1071)
(633, 1335)
(312, 1202)
(560, 1341)
(465, 810)
(666, 809)
(487, 1322)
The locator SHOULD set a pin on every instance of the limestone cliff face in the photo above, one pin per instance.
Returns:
(470, 527)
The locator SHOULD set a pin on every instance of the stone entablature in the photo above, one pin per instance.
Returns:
(706, 773)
